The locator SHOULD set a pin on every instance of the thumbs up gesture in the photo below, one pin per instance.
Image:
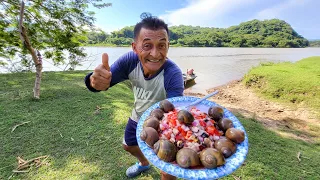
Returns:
(101, 77)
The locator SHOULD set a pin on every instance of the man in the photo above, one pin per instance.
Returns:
(153, 77)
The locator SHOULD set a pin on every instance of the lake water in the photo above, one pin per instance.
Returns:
(213, 66)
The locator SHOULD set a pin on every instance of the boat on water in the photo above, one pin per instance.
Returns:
(189, 76)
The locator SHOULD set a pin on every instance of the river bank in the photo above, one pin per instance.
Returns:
(243, 101)
(295, 120)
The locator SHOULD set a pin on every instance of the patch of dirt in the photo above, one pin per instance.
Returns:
(299, 123)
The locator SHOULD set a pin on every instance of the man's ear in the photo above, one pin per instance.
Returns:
(134, 47)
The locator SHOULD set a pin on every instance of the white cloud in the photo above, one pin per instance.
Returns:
(280, 9)
(203, 12)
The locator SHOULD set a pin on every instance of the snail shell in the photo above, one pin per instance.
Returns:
(185, 116)
(235, 135)
(165, 150)
(208, 143)
(216, 113)
(225, 146)
(166, 106)
(225, 124)
(211, 158)
(149, 135)
(187, 157)
(152, 122)
(158, 113)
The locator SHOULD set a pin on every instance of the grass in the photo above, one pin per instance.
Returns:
(85, 143)
(291, 83)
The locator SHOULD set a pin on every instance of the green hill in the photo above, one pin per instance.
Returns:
(315, 43)
(268, 33)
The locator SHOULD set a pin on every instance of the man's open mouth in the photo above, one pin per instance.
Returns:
(153, 60)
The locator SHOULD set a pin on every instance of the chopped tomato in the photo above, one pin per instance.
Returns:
(183, 133)
(173, 122)
(202, 123)
(189, 133)
(212, 131)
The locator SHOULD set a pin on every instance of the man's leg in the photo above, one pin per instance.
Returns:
(130, 144)
(136, 152)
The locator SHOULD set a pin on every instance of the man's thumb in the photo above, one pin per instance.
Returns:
(105, 61)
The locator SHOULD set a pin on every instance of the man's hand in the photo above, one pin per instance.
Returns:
(101, 77)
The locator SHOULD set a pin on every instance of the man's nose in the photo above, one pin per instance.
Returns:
(154, 52)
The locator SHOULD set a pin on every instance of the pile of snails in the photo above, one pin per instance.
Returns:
(202, 148)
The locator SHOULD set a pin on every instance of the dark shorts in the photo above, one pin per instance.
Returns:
(130, 133)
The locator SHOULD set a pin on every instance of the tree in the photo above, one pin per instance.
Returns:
(255, 33)
(53, 27)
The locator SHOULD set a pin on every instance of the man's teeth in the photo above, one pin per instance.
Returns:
(151, 60)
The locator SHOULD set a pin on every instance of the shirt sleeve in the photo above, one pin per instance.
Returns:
(87, 82)
(174, 82)
(122, 67)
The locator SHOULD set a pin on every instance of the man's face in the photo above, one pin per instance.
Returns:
(152, 48)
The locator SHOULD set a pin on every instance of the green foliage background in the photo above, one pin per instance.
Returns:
(315, 43)
(268, 33)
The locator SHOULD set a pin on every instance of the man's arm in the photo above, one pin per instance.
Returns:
(120, 70)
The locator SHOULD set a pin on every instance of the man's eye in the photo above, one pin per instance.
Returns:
(147, 46)
(162, 46)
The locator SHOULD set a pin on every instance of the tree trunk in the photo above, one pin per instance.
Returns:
(36, 59)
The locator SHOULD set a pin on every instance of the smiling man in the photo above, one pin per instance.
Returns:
(153, 76)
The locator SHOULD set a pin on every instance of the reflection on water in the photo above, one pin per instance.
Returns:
(213, 66)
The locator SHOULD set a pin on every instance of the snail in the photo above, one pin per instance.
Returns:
(165, 150)
(226, 146)
(185, 116)
(166, 106)
(187, 157)
(208, 143)
(149, 135)
(158, 113)
(211, 158)
(152, 122)
(235, 135)
(225, 124)
(215, 112)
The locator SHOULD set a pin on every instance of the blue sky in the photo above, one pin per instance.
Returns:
(302, 15)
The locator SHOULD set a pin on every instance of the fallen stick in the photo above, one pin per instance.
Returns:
(17, 171)
(235, 177)
(26, 164)
(298, 156)
(42, 162)
(10, 176)
(14, 127)
(60, 134)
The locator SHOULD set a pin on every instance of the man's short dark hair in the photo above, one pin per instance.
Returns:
(149, 22)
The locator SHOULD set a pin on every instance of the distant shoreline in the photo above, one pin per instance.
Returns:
(113, 46)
